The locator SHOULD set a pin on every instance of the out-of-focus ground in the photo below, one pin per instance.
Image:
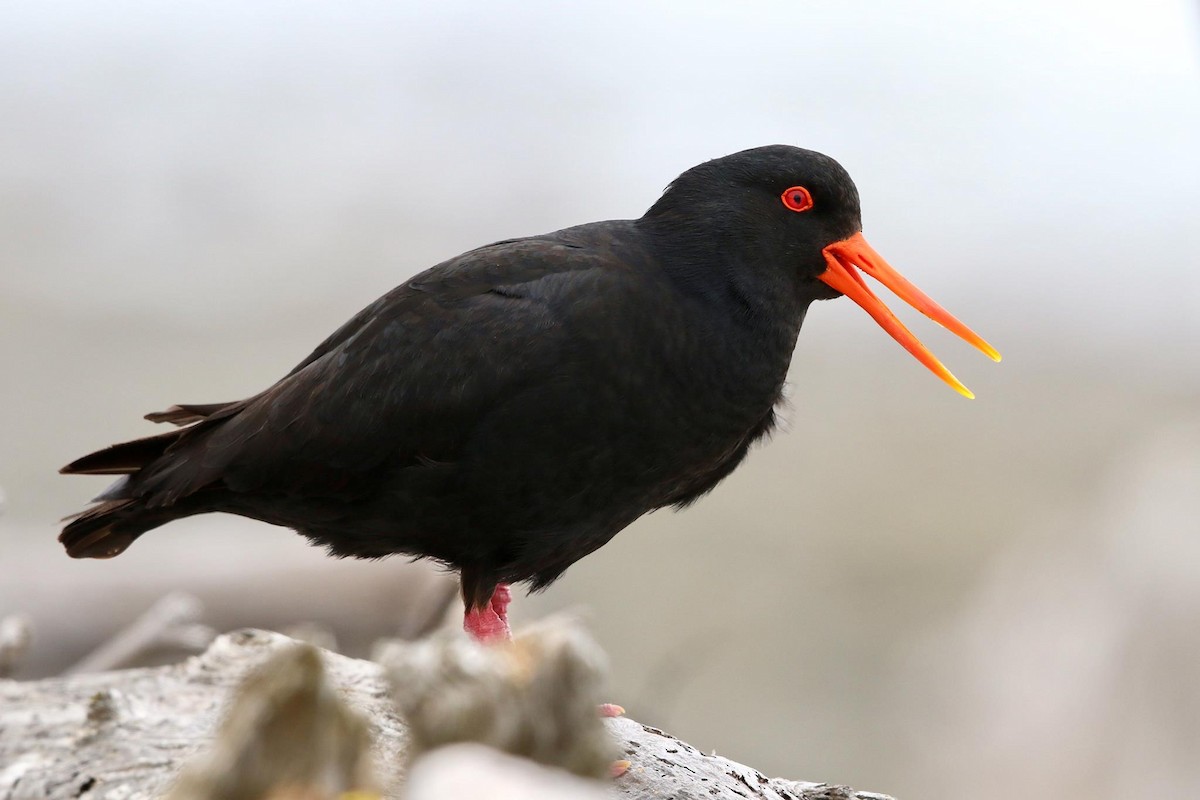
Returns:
(904, 590)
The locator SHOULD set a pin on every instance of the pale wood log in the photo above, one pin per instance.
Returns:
(125, 735)
(245, 574)
(171, 623)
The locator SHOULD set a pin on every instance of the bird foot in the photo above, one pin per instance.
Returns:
(490, 622)
(617, 768)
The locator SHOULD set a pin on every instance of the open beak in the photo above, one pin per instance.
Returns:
(846, 257)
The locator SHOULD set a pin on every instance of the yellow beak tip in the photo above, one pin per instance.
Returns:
(986, 349)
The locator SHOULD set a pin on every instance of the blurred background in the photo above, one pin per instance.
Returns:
(904, 591)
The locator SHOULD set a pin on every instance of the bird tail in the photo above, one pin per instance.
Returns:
(124, 511)
(126, 458)
(186, 414)
(105, 530)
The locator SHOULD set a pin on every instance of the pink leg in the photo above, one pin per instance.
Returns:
(490, 623)
(617, 768)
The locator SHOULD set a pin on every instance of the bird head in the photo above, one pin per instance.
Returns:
(799, 209)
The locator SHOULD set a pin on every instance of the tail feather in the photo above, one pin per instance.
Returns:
(98, 532)
(187, 413)
(109, 527)
(123, 458)
(149, 493)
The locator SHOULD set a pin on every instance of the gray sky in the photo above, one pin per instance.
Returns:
(1032, 164)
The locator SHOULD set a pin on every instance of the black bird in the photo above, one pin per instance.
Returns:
(510, 410)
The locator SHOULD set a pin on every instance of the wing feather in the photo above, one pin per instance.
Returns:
(405, 382)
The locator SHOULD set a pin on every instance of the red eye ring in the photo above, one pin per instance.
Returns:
(797, 198)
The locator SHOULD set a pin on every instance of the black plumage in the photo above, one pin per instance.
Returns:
(510, 410)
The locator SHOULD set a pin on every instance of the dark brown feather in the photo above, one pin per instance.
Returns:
(124, 458)
(91, 534)
(186, 414)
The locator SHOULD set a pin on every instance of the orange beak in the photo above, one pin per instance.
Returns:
(848, 256)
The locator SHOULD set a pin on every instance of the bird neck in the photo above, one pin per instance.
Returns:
(715, 261)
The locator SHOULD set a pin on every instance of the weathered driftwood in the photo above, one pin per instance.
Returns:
(127, 734)
(16, 632)
(287, 734)
(475, 771)
(274, 582)
(173, 623)
(536, 697)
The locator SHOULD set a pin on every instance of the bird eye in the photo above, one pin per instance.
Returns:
(797, 198)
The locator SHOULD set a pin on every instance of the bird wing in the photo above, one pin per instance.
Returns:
(474, 271)
(187, 413)
(405, 381)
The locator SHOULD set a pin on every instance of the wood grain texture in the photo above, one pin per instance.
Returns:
(126, 734)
